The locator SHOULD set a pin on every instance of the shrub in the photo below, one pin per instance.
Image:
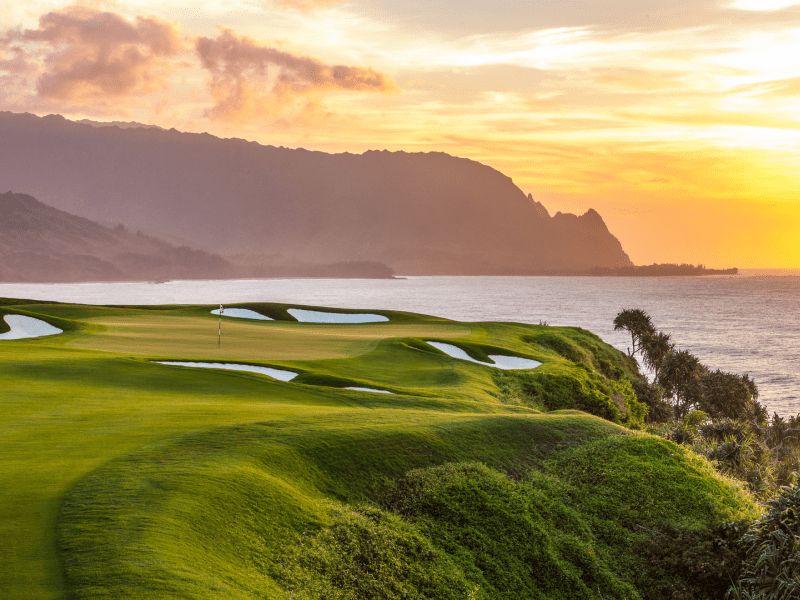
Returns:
(651, 395)
(771, 570)
(369, 554)
(509, 537)
(612, 400)
(688, 564)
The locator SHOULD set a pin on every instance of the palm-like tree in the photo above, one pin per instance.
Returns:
(638, 323)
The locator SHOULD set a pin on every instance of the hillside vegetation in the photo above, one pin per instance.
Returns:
(128, 479)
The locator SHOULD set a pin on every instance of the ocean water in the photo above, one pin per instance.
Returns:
(740, 324)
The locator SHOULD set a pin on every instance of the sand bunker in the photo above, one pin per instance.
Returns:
(241, 313)
(27, 327)
(313, 316)
(274, 373)
(500, 361)
(362, 389)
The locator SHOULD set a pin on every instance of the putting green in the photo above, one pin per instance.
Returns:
(90, 402)
(197, 337)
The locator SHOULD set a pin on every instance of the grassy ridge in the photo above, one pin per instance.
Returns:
(211, 513)
(190, 482)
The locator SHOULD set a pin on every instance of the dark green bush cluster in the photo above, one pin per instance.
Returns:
(591, 392)
(508, 537)
(689, 564)
(771, 570)
(580, 528)
(764, 455)
(369, 554)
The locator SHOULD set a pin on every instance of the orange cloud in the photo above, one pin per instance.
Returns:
(89, 54)
(240, 76)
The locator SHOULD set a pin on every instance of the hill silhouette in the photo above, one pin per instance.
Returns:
(39, 243)
(418, 213)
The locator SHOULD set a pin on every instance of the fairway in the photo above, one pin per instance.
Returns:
(126, 478)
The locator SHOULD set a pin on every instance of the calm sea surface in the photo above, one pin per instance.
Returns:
(739, 324)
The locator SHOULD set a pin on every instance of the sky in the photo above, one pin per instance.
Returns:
(678, 122)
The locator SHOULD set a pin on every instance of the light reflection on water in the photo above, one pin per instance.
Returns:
(740, 324)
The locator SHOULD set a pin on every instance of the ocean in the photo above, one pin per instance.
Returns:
(742, 324)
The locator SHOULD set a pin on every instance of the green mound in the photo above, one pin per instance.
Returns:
(253, 511)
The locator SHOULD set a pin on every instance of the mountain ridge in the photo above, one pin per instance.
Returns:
(418, 213)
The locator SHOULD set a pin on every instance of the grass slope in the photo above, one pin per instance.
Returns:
(123, 478)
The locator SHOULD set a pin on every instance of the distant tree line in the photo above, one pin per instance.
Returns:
(660, 270)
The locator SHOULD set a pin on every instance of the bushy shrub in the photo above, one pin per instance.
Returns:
(506, 535)
(369, 554)
(649, 394)
(771, 570)
(688, 564)
(612, 400)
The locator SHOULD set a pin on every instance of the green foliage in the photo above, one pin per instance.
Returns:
(509, 537)
(574, 389)
(679, 376)
(563, 346)
(727, 395)
(370, 554)
(692, 564)
(772, 566)
(640, 494)
(651, 395)
(656, 348)
(585, 350)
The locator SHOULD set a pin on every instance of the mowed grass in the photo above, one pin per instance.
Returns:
(125, 478)
(197, 337)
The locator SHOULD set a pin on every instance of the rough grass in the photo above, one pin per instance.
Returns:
(123, 478)
(228, 511)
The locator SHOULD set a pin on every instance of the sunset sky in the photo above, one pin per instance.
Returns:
(679, 122)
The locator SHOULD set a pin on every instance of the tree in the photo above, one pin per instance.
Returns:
(655, 350)
(650, 394)
(638, 324)
(727, 394)
(681, 378)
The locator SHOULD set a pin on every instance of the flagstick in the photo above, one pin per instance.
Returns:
(219, 328)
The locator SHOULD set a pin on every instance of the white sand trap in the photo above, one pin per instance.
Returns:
(500, 361)
(360, 389)
(313, 316)
(274, 373)
(27, 327)
(241, 313)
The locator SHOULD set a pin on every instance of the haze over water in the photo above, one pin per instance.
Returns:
(739, 324)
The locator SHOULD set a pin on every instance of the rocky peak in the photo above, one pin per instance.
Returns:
(540, 209)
